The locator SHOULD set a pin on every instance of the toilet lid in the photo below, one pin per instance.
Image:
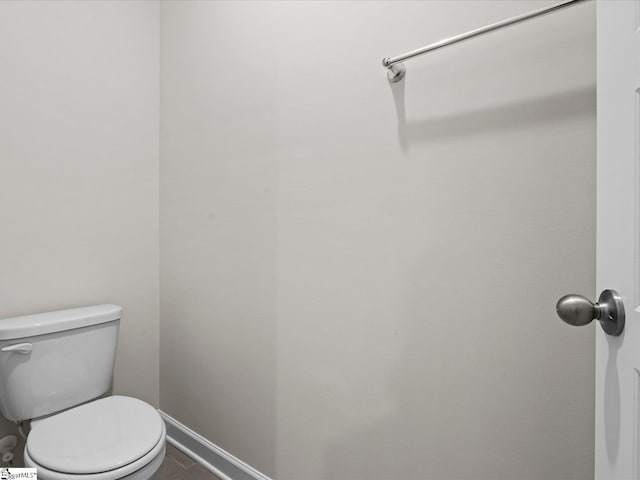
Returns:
(99, 436)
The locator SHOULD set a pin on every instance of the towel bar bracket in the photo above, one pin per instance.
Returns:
(396, 72)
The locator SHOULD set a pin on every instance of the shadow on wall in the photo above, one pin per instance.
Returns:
(612, 399)
(567, 104)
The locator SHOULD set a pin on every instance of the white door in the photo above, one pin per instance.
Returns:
(617, 428)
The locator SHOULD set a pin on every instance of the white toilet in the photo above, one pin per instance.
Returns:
(52, 368)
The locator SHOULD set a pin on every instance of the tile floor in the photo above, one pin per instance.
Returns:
(178, 466)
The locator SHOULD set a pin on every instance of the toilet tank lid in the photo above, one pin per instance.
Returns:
(58, 321)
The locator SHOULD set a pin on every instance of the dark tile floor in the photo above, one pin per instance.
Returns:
(178, 466)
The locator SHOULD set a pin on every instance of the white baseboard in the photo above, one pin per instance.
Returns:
(207, 454)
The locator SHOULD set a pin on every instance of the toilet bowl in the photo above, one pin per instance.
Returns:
(108, 439)
(54, 369)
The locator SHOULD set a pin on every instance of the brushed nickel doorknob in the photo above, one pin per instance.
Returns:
(578, 311)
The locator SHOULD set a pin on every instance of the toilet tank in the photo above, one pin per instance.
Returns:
(53, 361)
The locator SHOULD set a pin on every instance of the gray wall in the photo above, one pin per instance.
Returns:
(358, 282)
(79, 169)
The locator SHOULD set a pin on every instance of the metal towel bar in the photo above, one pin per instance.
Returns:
(396, 70)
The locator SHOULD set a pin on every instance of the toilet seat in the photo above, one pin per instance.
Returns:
(112, 438)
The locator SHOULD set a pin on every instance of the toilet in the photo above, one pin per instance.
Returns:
(55, 368)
